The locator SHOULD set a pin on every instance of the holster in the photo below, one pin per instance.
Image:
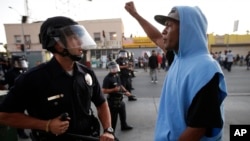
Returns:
(115, 101)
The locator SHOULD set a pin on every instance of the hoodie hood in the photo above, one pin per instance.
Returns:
(193, 29)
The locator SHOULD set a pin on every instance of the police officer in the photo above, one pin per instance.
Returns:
(115, 90)
(18, 66)
(125, 75)
(62, 85)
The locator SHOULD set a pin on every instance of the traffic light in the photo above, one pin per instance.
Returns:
(22, 47)
(24, 19)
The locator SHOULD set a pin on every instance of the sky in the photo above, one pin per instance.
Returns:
(220, 14)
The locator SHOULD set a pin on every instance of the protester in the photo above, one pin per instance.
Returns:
(230, 60)
(58, 94)
(153, 66)
(159, 60)
(247, 59)
(191, 104)
(164, 60)
(145, 61)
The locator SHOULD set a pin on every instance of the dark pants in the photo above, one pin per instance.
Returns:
(229, 66)
(115, 110)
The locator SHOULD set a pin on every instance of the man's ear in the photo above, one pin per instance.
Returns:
(59, 47)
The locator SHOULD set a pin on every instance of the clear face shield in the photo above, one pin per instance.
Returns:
(114, 68)
(75, 38)
(22, 64)
(123, 54)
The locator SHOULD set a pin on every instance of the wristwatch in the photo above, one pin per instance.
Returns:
(109, 130)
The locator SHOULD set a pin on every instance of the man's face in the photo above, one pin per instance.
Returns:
(74, 45)
(171, 35)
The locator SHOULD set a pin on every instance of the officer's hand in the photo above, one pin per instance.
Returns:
(127, 93)
(57, 126)
(107, 137)
(129, 6)
(117, 88)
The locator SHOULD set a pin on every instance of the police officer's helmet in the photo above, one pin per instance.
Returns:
(19, 62)
(61, 29)
(123, 54)
(113, 67)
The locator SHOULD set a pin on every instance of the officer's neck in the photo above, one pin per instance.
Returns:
(66, 63)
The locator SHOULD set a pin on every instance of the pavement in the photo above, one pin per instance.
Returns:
(141, 114)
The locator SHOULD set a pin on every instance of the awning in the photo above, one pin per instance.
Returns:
(2, 49)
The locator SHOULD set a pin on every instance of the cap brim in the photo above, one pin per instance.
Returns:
(162, 19)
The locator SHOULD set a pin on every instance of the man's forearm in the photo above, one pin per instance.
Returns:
(192, 134)
(152, 32)
(20, 120)
(104, 115)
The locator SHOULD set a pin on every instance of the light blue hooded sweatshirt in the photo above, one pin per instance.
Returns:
(192, 68)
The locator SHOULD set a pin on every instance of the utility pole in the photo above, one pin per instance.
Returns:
(23, 20)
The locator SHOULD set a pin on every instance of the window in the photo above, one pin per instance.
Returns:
(27, 39)
(104, 52)
(112, 35)
(97, 36)
(98, 54)
(18, 39)
(92, 53)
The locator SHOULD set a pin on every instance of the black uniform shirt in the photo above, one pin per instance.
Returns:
(47, 91)
(111, 81)
(123, 62)
(10, 77)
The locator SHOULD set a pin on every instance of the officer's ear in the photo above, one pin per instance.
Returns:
(59, 47)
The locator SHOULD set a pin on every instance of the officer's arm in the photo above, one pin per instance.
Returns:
(123, 89)
(110, 90)
(20, 120)
(104, 115)
(124, 67)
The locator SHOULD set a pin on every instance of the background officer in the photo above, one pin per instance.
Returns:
(61, 85)
(125, 73)
(18, 66)
(115, 90)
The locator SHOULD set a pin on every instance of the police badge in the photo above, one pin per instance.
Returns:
(88, 79)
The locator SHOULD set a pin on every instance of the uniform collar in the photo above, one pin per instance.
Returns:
(57, 70)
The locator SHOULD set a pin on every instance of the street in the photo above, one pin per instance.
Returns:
(142, 114)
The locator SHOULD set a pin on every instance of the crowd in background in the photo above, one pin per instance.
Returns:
(227, 58)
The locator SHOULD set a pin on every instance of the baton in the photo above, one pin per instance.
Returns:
(89, 138)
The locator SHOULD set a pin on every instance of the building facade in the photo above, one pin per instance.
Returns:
(238, 44)
(108, 35)
(22, 39)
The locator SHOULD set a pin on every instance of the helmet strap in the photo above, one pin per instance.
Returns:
(66, 53)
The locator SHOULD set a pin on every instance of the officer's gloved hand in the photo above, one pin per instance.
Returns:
(127, 93)
(117, 89)
(58, 125)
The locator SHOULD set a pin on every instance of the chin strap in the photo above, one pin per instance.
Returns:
(66, 53)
